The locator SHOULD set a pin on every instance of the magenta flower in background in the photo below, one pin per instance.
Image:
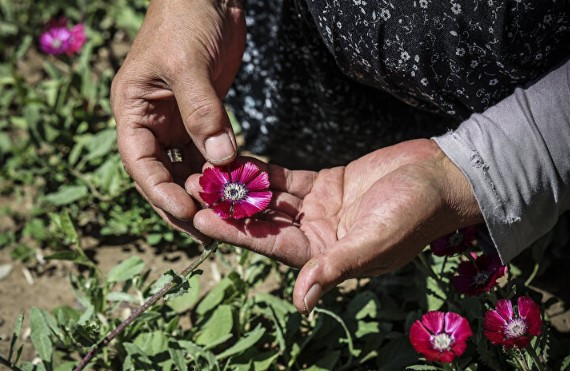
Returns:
(237, 192)
(59, 39)
(502, 326)
(440, 336)
(454, 243)
(479, 276)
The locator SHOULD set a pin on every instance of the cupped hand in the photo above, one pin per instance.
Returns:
(168, 95)
(367, 218)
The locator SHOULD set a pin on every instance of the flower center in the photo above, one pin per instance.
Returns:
(455, 239)
(441, 342)
(56, 43)
(235, 191)
(515, 328)
(481, 278)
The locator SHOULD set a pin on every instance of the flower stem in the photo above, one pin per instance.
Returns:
(208, 250)
(537, 361)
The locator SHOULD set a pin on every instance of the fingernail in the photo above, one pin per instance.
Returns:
(312, 297)
(219, 147)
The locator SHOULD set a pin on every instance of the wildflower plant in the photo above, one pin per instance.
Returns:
(446, 310)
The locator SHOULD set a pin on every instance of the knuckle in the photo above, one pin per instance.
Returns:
(203, 113)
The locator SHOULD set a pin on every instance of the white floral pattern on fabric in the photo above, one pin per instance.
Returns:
(319, 77)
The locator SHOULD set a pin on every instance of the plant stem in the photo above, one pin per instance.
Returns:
(537, 361)
(208, 250)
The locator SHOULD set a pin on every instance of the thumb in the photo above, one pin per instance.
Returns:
(321, 274)
(205, 118)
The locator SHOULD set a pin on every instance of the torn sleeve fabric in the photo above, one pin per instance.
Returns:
(516, 156)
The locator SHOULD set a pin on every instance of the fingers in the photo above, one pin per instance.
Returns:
(204, 116)
(297, 183)
(144, 160)
(274, 236)
(179, 225)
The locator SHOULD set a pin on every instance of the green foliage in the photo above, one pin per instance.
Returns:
(58, 147)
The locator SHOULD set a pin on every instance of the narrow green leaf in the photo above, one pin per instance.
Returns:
(177, 356)
(67, 194)
(126, 269)
(40, 334)
(244, 343)
(121, 296)
(15, 334)
(218, 326)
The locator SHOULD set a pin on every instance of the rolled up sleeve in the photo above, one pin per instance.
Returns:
(516, 156)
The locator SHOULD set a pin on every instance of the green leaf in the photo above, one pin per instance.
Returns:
(186, 301)
(121, 296)
(177, 356)
(244, 343)
(67, 194)
(435, 295)
(152, 343)
(15, 334)
(396, 355)
(136, 352)
(215, 296)
(101, 144)
(422, 368)
(218, 326)
(326, 363)
(364, 305)
(126, 269)
(40, 334)
(263, 361)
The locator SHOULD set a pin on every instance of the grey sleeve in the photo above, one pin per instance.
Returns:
(516, 155)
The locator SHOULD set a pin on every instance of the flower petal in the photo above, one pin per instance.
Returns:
(448, 356)
(78, 38)
(254, 203)
(248, 172)
(235, 169)
(259, 183)
(504, 308)
(530, 312)
(210, 198)
(223, 209)
(494, 327)
(420, 338)
(213, 180)
(458, 326)
(434, 321)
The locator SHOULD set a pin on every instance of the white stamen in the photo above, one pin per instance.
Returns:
(515, 328)
(235, 191)
(441, 342)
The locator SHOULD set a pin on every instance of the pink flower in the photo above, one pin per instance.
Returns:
(59, 39)
(78, 38)
(440, 336)
(454, 243)
(238, 192)
(475, 278)
(503, 327)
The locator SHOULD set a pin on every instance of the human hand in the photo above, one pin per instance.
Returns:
(168, 95)
(368, 218)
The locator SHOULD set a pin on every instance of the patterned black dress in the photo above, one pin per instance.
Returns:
(326, 81)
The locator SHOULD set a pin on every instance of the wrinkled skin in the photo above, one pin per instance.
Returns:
(367, 218)
(168, 94)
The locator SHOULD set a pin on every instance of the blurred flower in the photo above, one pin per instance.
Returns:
(440, 336)
(479, 276)
(455, 242)
(59, 39)
(238, 192)
(503, 327)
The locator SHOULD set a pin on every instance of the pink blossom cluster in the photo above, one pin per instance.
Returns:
(442, 337)
(58, 38)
